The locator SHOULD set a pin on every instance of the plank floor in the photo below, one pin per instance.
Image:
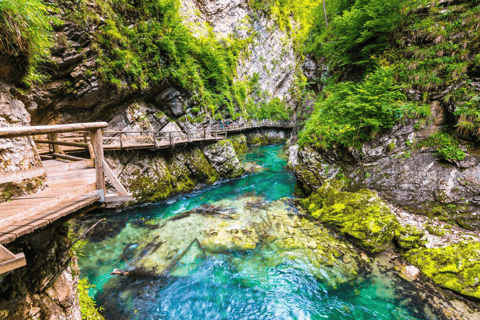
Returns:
(69, 189)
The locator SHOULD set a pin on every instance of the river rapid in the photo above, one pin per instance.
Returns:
(239, 249)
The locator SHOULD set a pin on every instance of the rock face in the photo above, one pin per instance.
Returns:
(223, 159)
(16, 153)
(270, 55)
(155, 175)
(409, 177)
(46, 287)
(265, 137)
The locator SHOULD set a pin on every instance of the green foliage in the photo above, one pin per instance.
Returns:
(87, 304)
(354, 112)
(358, 30)
(446, 145)
(26, 30)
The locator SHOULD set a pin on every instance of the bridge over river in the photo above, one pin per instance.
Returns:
(76, 184)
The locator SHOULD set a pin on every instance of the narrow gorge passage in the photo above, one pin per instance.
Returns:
(257, 257)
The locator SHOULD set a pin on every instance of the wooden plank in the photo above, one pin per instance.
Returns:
(68, 166)
(25, 226)
(5, 254)
(15, 263)
(109, 198)
(11, 132)
(21, 175)
(114, 180)
(67, 157)
(63, 143)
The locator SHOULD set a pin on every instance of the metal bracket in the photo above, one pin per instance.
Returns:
(101, 194)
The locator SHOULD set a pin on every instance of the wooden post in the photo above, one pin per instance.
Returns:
(121, 141)
(204, 133)
(170, 137)
(56, 147)
(50, 146)
(97, 141)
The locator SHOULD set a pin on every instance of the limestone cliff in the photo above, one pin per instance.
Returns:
(47, 287)
(17, 153)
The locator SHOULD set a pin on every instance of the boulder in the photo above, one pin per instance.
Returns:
(455, 267)
(410, 273)
(223, 159)
(361, 215)
(171, 101)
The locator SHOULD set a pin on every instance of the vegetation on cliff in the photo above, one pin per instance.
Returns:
(25, 33)
(430, 48)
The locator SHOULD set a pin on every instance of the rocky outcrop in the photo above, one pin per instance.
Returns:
(46, 287)
(265, 137)
(360, 215)
(223, 159)
(405, 174)
(16, 153)
(154, 175)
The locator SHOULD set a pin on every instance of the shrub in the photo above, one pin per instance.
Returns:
(447, 147)
(25, 30)
(354, 112)
(358, 30)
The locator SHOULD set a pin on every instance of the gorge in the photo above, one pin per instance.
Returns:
(352, 191)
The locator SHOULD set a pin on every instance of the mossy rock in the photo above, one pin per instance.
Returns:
(361, 215)
(409, 237)
(455, 267)
(239, 143)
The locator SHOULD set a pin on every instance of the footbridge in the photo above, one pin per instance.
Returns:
(74, 170)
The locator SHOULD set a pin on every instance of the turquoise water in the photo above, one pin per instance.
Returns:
(235, 285)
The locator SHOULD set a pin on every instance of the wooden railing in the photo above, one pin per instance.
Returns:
(119, 140)
(94, 146)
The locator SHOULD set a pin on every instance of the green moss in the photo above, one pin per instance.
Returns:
(361, 215)
(409, 237)
(455, 267)
(436, 231)
(391, 147)
(239, 143)
(200, 167)
(87, 304)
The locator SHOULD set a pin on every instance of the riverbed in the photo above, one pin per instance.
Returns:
(204, 255)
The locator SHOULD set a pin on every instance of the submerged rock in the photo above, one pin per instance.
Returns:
(361, 215)
(455, 267)
(410, 273)
(244, 224)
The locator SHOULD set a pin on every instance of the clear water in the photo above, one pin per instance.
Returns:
(235, 285)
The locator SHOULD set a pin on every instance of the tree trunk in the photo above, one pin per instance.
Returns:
(325, 13)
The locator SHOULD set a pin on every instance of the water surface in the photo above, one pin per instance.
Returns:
(233, 285)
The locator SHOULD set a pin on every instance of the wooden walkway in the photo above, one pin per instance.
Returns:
(130, 140)
(78, 184)
(72, 185)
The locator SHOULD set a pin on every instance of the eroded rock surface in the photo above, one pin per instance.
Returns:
(47, 287)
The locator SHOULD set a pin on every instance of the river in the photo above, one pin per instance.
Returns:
(269, 281)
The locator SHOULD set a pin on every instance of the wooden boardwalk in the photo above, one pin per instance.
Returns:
(72, 185)
(130, 140)
(76, 184)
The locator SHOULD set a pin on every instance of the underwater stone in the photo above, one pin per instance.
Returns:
(410, 273)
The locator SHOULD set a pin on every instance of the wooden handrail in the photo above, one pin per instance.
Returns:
(12, 132)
